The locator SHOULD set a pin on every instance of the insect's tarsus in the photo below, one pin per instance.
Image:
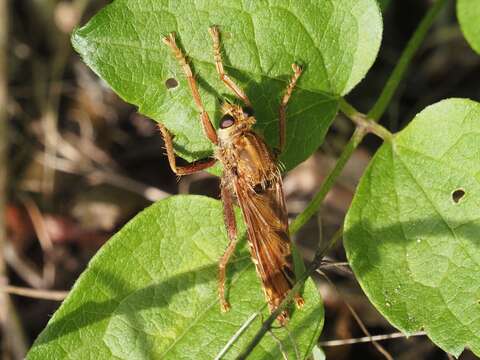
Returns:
(217, 55)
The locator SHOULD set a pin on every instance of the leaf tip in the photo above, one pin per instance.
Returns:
(78, 40)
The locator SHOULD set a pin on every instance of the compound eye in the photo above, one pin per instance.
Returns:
(247, 111)
(226, 121)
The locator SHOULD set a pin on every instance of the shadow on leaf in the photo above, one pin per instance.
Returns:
(91, 312)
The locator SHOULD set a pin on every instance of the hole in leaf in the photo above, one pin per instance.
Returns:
(457, 195)
(171, 83)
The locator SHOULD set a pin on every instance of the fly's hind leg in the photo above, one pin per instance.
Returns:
(231, 225)
(297, 71)
(208, 128)
(182, 170)
(214, 33)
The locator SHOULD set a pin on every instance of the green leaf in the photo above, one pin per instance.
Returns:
(151, 293)
(412, 239)
(336, 41)
(468, 13)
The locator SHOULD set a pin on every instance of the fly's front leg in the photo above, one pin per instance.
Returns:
(208, 128)
(297, 71)
(214, 33)
(231, 225)
(182, 170)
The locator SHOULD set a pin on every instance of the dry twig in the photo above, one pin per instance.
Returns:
(53, 295)
(367, 339)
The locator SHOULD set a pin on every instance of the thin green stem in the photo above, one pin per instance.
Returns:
(327, 185)
(377, 129)
(402, 65)
(361, 120)
(347, 108)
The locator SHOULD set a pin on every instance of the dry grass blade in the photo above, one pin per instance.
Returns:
(359, 321)
(44, 240)
(367, 339)
(81, 164)
(35, 293)
(22, 267)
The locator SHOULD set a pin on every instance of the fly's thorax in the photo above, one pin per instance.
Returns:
(252, 159)
(242, 152)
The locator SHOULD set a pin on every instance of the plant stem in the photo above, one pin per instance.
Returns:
(361, 120)
(402, 65)
(327, 185)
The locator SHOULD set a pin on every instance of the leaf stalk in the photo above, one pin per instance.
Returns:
(362, 121)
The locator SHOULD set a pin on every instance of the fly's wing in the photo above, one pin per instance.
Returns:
(266, 217)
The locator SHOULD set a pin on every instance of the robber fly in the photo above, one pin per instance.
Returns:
(251, 175)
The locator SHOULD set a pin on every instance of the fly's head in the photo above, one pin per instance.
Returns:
(235, 120)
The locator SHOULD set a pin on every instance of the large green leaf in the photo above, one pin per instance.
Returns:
(412, 234)
(151, 293)
(336, 41)
(468, 12)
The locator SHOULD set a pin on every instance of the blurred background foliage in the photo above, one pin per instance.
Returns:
(77, 163)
